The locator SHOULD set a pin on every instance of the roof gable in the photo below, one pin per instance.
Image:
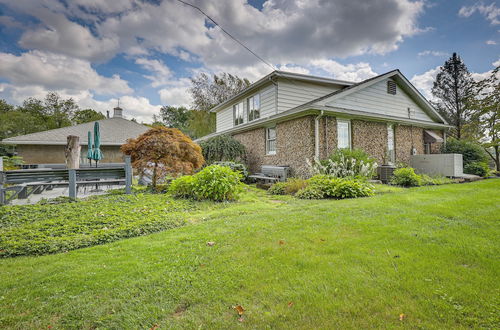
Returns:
(369, 96)
(114, 131)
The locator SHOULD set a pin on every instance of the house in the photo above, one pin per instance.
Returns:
(287, 118)
(47, 147)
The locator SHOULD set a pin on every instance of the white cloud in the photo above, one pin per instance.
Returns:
(425, 81)
(161, 73)
(491, 42)
(60, 35)
(496, 63)
(349, 72)
(436, 53)
(294, 68)
(177, 93)
(490, 12)
(53, 72)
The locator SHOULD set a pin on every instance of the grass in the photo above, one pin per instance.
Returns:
(428, 253)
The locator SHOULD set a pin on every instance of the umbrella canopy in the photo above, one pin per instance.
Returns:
(90, 147)
(97, 154)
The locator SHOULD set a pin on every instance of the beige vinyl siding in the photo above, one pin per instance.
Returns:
(224, 119)
(293, 94)
(375, 99)
(267, 101)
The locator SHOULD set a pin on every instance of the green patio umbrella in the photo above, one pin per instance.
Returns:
(90, 148)
(97, 154)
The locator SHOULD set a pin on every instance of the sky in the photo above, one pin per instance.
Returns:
(144, 52)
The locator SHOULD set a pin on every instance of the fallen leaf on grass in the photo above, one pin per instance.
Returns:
(281, 242)
(290, 304)
(154, 327)
(240, 310)
(402, 317)
(210, 243)
(240, 319)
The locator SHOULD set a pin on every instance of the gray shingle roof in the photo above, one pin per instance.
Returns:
(114, 131)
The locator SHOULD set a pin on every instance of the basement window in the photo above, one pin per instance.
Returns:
(391, 87)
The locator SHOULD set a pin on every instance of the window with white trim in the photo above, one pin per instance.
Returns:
(271, 140)
(238, 113)
(391, 145)
(253, 106)
(343, 134)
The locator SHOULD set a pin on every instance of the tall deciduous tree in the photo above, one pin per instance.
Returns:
(486, 117)
(175, 117)
(163, 150)
(452, 88)
(86, 115)
(207, 92)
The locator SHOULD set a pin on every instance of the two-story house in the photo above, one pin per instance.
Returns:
(286, 118)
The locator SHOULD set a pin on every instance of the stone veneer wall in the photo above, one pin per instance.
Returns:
(436, 147)
(371, 136)
(295, 142)
(407, 137)
(294, 145)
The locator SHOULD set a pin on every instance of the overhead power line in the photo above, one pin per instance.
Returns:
(229, 34)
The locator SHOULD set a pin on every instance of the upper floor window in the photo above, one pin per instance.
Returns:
(238, 113)
(343, 134)
(253, 107)
(271, 140)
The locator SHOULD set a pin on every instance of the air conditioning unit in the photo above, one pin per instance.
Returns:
(450, 165)
(385, 172)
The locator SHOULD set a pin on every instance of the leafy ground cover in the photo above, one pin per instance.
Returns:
(42, 229)
(406, 258)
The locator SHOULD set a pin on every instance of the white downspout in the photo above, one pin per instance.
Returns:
(316, 135)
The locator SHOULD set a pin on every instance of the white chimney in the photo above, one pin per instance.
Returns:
(117, 112)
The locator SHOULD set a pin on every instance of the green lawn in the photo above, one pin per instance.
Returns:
(429, 253)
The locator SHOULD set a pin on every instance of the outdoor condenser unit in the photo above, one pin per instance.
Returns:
(450, 165)
(385, 172)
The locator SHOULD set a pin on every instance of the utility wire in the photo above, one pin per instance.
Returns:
(229, 34)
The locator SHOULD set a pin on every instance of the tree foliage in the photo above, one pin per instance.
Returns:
(163, 151)
(175, 117)
(486, 118)
(452, 88)
(86, 115)
(208, 91)
(223, 148)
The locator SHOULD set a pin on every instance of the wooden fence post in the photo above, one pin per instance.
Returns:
(72, 151)
(72, 183)
(128, 175)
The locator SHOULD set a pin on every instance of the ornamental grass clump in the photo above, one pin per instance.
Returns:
(217, 183)
(345, 163)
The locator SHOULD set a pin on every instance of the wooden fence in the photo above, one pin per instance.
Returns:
(34, 181)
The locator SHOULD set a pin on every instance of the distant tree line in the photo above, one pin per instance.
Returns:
(35, 115)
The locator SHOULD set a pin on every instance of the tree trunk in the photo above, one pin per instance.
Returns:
(72, 152)
(153, 180)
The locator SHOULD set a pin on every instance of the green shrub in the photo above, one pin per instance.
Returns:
(345, 163)
(217, 183)
(293, 185)
(352, 188)
(12, 163)
(310, 192)
(471, 151)
(237, 167)
(277, 189)
(426, 180)
(222, 148)
(406, 177)
(324, 183)
(477, 168)
(182, 187)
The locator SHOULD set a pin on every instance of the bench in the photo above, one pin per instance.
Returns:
(271, 174)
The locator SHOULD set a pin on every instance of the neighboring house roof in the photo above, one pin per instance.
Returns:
(318, 104)
(114, 132)
(285, 75)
